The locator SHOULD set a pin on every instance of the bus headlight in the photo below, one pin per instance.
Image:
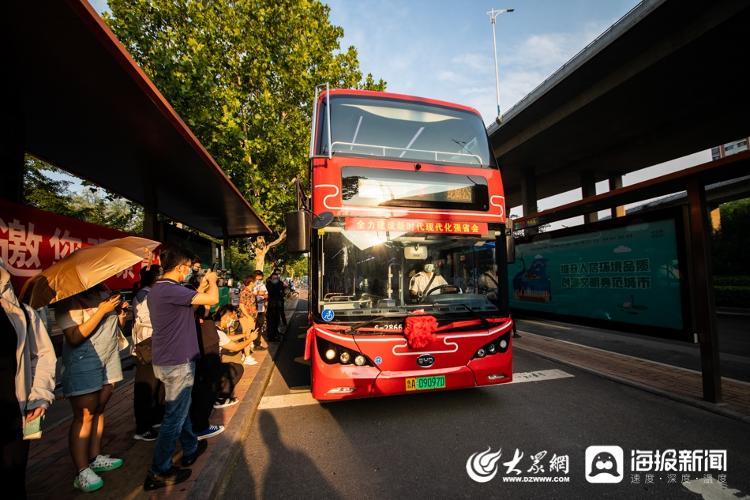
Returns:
(499, 345)
(337, 354)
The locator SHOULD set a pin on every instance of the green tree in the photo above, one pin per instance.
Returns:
(242, 75)
(46, 189)
(730, 243)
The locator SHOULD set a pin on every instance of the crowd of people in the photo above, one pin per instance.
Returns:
(189, 356)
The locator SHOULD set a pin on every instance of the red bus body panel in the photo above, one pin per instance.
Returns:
(453, 353)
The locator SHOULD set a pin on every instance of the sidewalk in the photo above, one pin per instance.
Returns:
(50, 468)
(671, 381)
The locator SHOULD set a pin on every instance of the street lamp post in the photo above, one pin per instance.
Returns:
(493, 15)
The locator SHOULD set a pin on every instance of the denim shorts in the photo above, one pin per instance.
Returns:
(89, 366)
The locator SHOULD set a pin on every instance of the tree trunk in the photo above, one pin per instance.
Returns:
(260, 248)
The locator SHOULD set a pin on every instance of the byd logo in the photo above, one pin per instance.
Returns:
(426, 360)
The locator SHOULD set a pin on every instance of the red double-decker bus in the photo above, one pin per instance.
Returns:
(408, 225)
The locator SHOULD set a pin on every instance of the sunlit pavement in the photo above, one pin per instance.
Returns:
(418, 446)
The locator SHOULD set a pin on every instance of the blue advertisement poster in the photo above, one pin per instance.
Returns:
(628, 275)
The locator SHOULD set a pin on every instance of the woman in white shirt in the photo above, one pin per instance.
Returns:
(148, 391)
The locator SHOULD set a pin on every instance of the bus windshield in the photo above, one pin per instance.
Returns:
(373, 274)
(404, 130)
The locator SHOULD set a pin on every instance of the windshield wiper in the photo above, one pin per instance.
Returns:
(481, 318)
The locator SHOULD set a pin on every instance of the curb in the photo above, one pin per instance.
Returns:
(711, 407)
(213, 479)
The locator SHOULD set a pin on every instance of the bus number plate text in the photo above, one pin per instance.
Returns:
(425, 383)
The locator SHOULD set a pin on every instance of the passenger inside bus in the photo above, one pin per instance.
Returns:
(426, 281)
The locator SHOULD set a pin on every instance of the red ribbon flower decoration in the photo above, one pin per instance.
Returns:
(419, 330)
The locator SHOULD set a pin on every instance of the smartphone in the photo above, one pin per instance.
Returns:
(33, 428)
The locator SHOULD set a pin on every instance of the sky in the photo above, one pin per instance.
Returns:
(442, 49)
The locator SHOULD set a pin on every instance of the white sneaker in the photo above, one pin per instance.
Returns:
(87, 481)
(249, 360)
(105, 463)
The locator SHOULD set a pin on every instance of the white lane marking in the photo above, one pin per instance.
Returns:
(713, 490)
(287, 401)
(542, 323)
(305, 398)
(538, 376)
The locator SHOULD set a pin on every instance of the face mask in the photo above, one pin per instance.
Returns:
(275, 280)
(428, 268)
(232, 324)
(188, 275)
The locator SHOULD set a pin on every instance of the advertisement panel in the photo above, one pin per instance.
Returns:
(628, 274)
(32, 240)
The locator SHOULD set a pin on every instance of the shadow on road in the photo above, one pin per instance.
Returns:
(280, 458)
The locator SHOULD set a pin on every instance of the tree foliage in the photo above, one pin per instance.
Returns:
(46, 189)
(731, 242)
(242, 74)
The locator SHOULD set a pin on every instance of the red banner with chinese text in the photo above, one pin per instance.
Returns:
(32, 240)
(415, 226)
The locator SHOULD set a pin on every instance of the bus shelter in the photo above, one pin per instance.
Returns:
(76, 99)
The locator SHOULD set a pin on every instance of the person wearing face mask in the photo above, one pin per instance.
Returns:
(275, 305)
(175, 350)
(232, 345)
(193, 278)
(424, 281)
(261, 297)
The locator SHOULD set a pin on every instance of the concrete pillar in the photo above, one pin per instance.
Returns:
(615, 182)
(12, 149)
(528, 195)
(588, 188)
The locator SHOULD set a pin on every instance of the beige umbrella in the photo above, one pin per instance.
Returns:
(85, 268)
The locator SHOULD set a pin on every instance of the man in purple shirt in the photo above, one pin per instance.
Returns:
(174, 347)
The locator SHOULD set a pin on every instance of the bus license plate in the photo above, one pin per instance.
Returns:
(424, 383)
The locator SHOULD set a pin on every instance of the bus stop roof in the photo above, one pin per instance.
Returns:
(87, 107)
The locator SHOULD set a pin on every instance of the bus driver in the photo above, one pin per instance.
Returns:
(424, 281)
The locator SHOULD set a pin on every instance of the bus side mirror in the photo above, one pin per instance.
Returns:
(510, 243)
(297, 231)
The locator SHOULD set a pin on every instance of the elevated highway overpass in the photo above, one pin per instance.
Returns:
(663, 82)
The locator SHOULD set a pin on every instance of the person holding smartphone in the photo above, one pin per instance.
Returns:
(91, 322)
(27, 383)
